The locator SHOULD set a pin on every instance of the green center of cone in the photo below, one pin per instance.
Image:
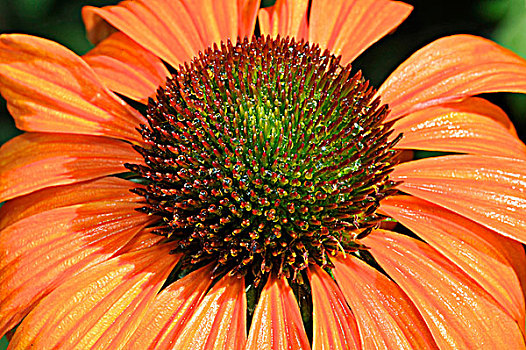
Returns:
(265, 156)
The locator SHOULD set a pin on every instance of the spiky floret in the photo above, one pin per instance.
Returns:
(265, 156)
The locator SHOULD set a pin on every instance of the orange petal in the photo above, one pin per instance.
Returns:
(170, 311)
(39, 252)
(142, 240)
(452, 68)
(49, 88)
(219, 321)
(277, 322)
(285, 18)
(217, 20)
(247, 15)
(483, 107)
(349, 27)
(386, 318)
(199, 24)
(459, 313)
(33, 161)
(127, 68)
(97, 29)
(488, 190)
(458, 127)
(99, 308)
(150, 23)
(476, 250)
(333, 322)
(105, 189)
(517, 257)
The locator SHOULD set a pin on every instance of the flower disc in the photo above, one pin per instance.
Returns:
(265, 156)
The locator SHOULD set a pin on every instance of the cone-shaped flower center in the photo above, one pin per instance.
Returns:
(265, 156)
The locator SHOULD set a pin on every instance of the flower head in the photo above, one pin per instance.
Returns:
(220, 182)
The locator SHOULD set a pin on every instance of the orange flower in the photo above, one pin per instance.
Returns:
(252, 203)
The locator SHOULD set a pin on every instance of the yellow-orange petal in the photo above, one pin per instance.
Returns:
(49, 88)
(33, 161)
(459, 313)
(104, 189)
(171, 310)
(100, 307)
(476, 250)
(334, 325)
(127, 68)
(488, 190)
(199, 24)
(449, 69)
(40, 252)
(458, 127)
(277, 322)
(219, 322)
(386, 318)
(285, 18)
(349, 27)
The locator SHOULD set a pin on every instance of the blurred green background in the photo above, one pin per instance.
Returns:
(501, 20)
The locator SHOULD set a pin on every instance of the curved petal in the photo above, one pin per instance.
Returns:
(334, 324)
(452, 68)
(142, 240)
(48, 88)
(199, 24)
(33, 161)
(170, 311)
(386, 318)
(459, 313)
(478, 105)
(40, 252)
(349, 27)
(478, 251)
(277, 322)
(285, 18)
(97, 29)
(100, 307)
(219, 322)
(462, 127)
(105, 189)
(125, 67)
(488, 190)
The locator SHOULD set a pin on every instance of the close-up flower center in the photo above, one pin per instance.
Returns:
(265, 156)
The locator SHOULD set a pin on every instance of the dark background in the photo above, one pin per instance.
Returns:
(504, 21)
